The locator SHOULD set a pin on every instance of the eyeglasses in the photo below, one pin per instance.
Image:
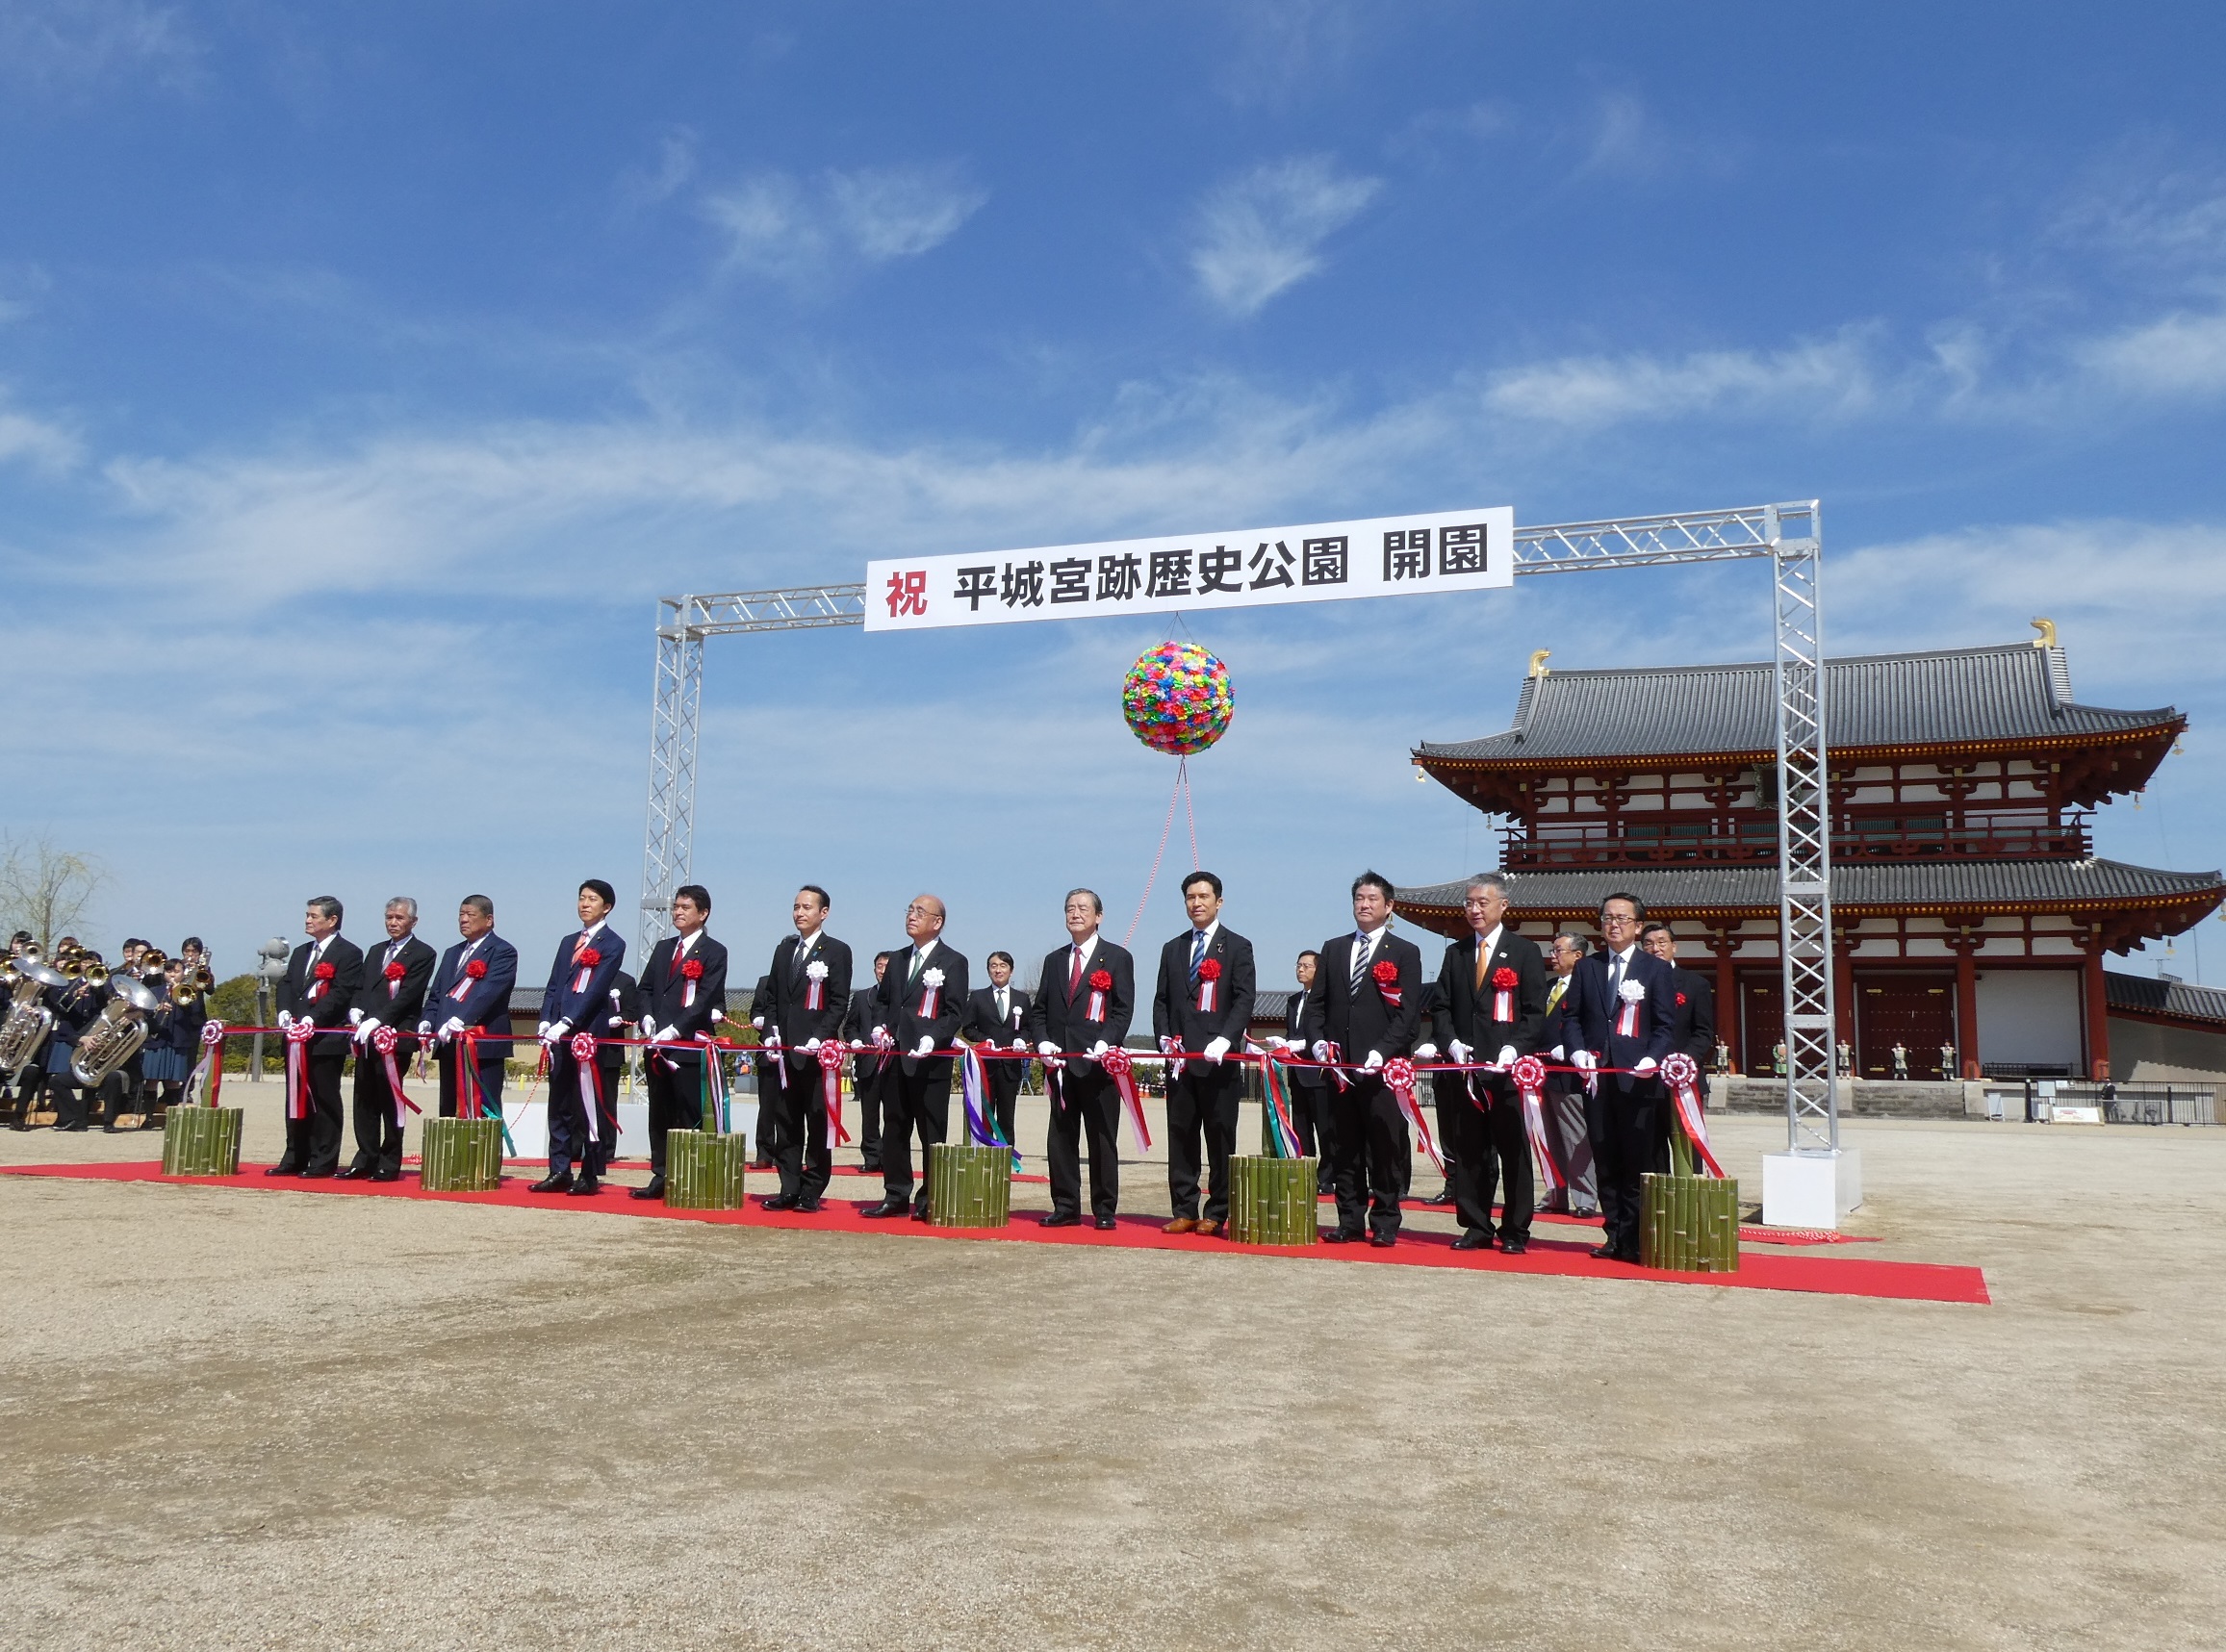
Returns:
(1615, 920)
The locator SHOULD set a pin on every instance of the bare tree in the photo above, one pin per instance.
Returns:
(45, 889)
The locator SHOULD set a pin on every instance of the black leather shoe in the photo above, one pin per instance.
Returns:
(353, 1173)
(586, 1187)
(1444, 1196)
(653, 1188)
(316, 1175)
(778, 1202)
(920, 1213)
(1104, 1224)
(557, 1182)
(1607, 1253)
(888, 1208)
(1338, 1236)
(1514, 1247)
(1382, 1241)
(281, 1168)
(1062, 1219)
(1474, 1239)
(808, 1207)
(386, 1176)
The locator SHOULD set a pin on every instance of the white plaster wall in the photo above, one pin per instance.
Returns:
(2029, 1016)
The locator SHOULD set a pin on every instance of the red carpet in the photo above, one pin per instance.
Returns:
(1909, 1282)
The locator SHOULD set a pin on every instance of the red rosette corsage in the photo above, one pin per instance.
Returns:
(396, 969)
(1680, 1000)
(692, 969)
(1101, 981)
(476, 969)
(1386, 972)
(588, 959)
(1505, 979)
(1209, 969)
(325, 972)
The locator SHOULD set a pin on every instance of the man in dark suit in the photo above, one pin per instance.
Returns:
(996, 1015)
(683, 988)
(866, 1068)
(1566, 1127)
(809, 996)
(469, 996)
(581, 1123)
(1085, 1000)
(1365, 1008)
(393, 995)
(1309, 1085)
(1695, 1028)
(1493, 984)
(918, 1007)
(1618, 1013)
(1202, 1004)
(322, 980)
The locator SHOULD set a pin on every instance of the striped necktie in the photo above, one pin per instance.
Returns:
(1359, 965)
(1198, 952)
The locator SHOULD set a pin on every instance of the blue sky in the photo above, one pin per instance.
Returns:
(365, 374)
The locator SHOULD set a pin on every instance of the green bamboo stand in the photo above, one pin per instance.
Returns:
(703, 1170)
(1689, 1223)
(1271, 1201)
(201, 1141)
(461, 1155)
(968, 1186)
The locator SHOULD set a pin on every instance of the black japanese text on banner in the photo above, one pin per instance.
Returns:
(1316, 562)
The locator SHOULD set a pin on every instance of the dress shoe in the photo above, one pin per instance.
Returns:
(778, 1202)
(1340, 1236)
(352, 1173)
(1104, 1224)
(556, 1181)
(317, 1175)
(73, 1129)
(808, 1207)
(1380, 1242)
(888, 1208)
(282, 1168)
(108, 1130)
(586, 1187)
(1211, 1230)
(920, 1213)
(1474, 1239)
(1062, 1219)
(386, 1176)
(1444, 1196)
(653, 1188)
(1515, 1247)
(1181, 1225)
(1607, 1253)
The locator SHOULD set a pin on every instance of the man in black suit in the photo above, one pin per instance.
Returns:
(1202, 1004)
(1085, 1000)
(393, 996)
(1493, 984)
(1695, 1028)
(918, 1007)
(471, 996)
(809, 988)
(684, 989)
(866, 1068)
(996, 1015)
(1619, 1012)
(582, 1117)
(1365, 1008)
(1566, 1127)
(322, 979)
(1309, 1085)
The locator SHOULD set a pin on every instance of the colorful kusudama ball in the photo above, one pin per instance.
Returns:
(1177, 698)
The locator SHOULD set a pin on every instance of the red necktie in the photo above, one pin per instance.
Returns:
(1074, 975)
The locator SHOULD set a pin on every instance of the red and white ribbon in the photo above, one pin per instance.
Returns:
(583, 1047)
(297, 1099)
(384, 1041)
(209, 1073)
(1633, 993)
(1208, 980)
(815, 985)
(1337, 1065)
(831, 1085)
(1399, 1075)
(1530, 1075)
(1118, 1065)
(1682, 1074)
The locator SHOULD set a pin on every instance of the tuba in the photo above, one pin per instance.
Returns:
(28, 1020)
(105, 1045)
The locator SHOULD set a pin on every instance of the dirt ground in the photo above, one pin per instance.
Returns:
(286, 1419)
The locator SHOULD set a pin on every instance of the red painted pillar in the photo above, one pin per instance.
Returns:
(2096, 992)
(1967, 1007)
(1728, 1019)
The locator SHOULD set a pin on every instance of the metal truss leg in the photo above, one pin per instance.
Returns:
(674, 721)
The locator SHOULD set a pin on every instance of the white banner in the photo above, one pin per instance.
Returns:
(1316, 562)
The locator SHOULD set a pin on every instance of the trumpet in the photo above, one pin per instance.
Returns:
(152, 962)
(197, 981)
(96, 971)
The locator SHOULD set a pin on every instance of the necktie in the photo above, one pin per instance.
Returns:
(1553, 993)
(1074, 975)
(1615, 982)
(580, 946)
(918, 958)
(1002, 1011)
(1197, 954)
(1359, 963)
(803, 957)
(1480, 962)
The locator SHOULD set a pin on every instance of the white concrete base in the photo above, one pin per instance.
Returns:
(1810, 1189)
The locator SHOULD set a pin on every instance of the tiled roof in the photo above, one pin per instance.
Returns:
(2179, 999)
(1956, 695)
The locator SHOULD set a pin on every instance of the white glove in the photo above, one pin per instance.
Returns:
(1170, 1044)
(1321, 1049)
(1557, 1054)
(1459, 1050)
(812, 1045)
(1507, 1054)
(759, 1022)
(285, 1019)
(1584, 1061)
(354, 1016)
(926, 1044)
(1098, 1049)
(365, 1027)
(451, 1027)
(650, 1031)
(773, 1040)
(559, 1032)
(1646, 1064)
(424, 1030)
(542, 1033)
(1047, 1049)
(880, 1034)
(1426, 1052)
(1375, 1059)
(1215, 1050)
(1276, 1041)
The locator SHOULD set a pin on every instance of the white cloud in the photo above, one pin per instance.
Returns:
(776, 225)
(675, 166)
(27, 439)
(1837, 376)
(58, 44)
(1261, 231)
(2182, 355)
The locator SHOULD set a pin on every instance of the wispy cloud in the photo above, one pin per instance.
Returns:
(789, 229)
(1835, 375)
(675, 166)
(1282, 46)
(29, 440)
(65, 43)
(2179, 356)
(1261, 231)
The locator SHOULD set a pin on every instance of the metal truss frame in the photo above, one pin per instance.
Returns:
(1791, 536)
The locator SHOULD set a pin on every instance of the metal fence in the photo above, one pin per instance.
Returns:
(2123, 1102)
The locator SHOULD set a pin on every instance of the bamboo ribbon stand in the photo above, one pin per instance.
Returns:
(461, 1155)
(703, 1170)
(968, 1186)
(201, 1141)
(1688, 1224)
(1271, 1201)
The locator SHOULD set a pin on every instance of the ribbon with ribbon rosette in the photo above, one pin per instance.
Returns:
(297, 1099)
(1682, 1074)
(384, 1041)
(830, 1055)
(1122, 1071)
(209, 1071)
(1530, 1075)
(583, 1047)
(1399, 1075)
